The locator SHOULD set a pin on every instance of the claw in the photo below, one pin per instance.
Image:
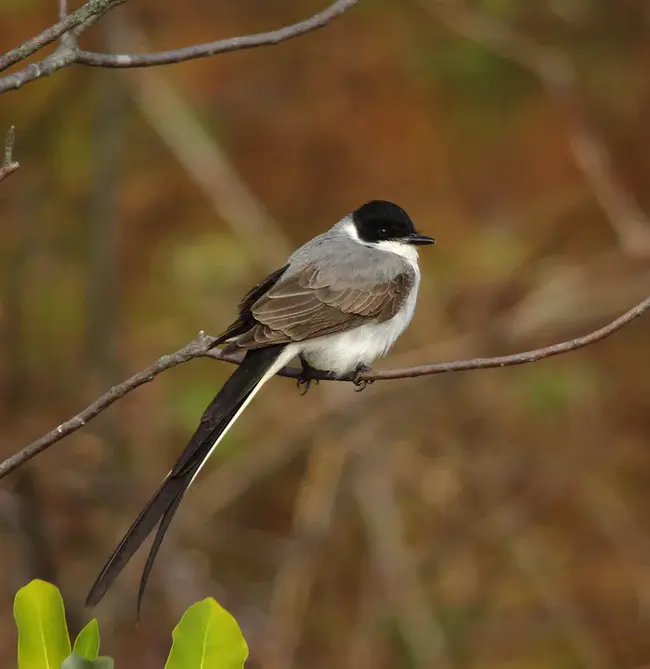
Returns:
(304, 384)
(359, 383)
(305, 379)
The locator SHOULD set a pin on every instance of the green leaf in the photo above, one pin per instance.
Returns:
(43, 641)
(86, 644)
(207, 636)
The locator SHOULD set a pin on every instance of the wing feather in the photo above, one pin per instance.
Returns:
(310, 303)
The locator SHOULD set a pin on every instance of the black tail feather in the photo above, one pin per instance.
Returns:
(162, 506)
(220, 412)
(153, 551)
(133, 539)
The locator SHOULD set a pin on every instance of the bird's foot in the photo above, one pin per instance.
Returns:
(359, 383)
(306, 377)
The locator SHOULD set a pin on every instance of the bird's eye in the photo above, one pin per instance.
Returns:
(383, 232)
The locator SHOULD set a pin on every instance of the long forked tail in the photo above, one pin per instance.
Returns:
(258, 366)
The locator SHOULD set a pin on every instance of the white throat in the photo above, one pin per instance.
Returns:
(406, 251)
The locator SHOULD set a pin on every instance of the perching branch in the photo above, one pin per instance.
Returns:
(200, 347)
(67, 54)
(9, 165)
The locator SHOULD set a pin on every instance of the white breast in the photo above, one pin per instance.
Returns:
(342, 353)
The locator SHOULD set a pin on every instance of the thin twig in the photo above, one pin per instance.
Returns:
(194, 349)
(319, 20)
(472, 363)
(200, 347)
(67, 55)
(9, 165)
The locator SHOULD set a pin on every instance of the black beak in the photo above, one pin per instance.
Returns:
(419, 240)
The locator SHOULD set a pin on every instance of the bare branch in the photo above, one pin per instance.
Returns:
(516, 358)
(220, 46)
(558, 77)
(200, 347)
(195, 348)
(92, 9)
(9, 165)
(67, 55)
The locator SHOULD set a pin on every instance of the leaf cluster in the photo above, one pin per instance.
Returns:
(206, 636)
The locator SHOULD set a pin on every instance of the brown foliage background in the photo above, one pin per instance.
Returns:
(487, 519)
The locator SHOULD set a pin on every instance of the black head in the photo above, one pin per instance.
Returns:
(382, 221)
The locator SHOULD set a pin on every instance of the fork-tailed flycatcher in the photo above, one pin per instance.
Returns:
(338, 304)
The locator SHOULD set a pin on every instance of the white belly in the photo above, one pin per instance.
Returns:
(342, 353)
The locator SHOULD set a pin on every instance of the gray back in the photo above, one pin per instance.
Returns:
(341, 259)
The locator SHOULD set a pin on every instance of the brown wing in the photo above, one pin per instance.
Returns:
(309, 304)
(246, 320)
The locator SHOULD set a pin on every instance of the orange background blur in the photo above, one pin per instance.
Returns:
(496, 518)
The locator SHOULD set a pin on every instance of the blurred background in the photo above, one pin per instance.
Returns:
(495, 518)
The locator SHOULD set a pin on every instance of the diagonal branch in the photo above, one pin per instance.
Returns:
(67, 55)
(194, 349)
(9, 165)
(201, 347)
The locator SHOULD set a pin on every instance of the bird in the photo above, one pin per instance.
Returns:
(338, 304)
